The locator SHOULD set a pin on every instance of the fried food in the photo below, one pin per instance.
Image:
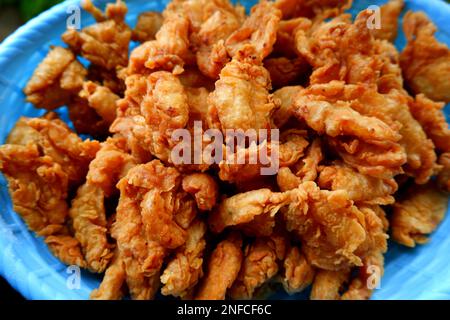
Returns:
(42, 161)
(259, 266)
(245, 207)
(314, 9)
(238, 151)
(298, 273)
(204, 188)
(390, 14)
(215, 22)
(148, 24)
(241, 99)
(57, 78)
(425, 61)
(444, 175)
(186, 268)
(258, 30)
(330, 226)
(418, 214)
(432, 119)
(88, 212)
(223, 269)
(105, 43)
(360, 188)
(166, 52)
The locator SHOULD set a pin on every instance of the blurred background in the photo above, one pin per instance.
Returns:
(14, 13)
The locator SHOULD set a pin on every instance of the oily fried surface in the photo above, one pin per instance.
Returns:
(425, 61)
(418, 214)
(222, 269)
(237, 151)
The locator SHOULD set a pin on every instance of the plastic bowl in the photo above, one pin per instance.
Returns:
(27, 264)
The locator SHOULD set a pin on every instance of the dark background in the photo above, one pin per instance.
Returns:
(7, 293)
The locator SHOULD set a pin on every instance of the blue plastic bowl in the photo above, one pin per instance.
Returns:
(27, 264)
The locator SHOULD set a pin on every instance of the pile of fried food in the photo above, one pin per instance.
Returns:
(364, 148)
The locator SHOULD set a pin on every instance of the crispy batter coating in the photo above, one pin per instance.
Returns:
(286, 97)
(42, 160)
(368, 278)
(330, 226)
(166, 52)
(88, 208)
(154, 106)
(186, 268)
(148, 24)
(361, 188)
(142, 254)
(425, 61)
(390, 15)
(258, 30)
(213, 22)
(105, 43)
(444, 176)
(284, 153)
(223, 269)
(259, 266)
(241, 99)
(431, 117)
(418, 214)
(328, 284)
(66, 248)
(57, 78)
(316, 9)
(111, 286)
(245, 207)
(339, 119)
(204, 188)
(298, 273)
(340, 50)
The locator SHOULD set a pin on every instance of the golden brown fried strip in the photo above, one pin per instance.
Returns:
(286, 97)
(431, 117)
(425, 61)
(215, 22)
(315, 9)
(241, 99)
(105, 43)
(153, 108)
(166, 52)
(258, 30)
(328, 284)
(349, 57)
(245, 207)
(418, 214)
(360, 188)
(111, 286)
(204, 188)
(330, 226)
(88, 208)
(223, 268)
(186, 268)
(390, 15)
(39, 162)
(443, 179)
(298, 273)
(259, 266)
(148, 24)
(57, 78)
(66, 248)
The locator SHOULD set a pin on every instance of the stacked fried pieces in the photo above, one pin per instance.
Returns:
(364, 148)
